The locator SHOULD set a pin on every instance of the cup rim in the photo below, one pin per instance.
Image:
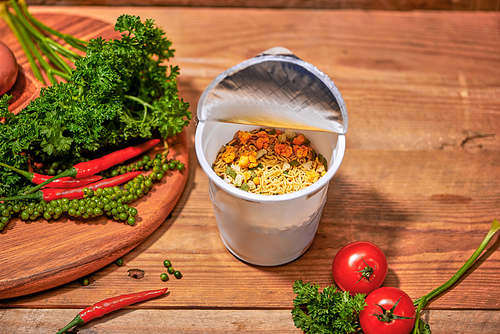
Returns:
(310, 190)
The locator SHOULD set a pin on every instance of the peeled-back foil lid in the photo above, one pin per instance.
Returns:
(275, 89)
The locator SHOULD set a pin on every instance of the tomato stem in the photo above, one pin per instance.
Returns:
(366, 272)
(422, 301)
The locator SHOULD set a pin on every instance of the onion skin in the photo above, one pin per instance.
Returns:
(8, 70)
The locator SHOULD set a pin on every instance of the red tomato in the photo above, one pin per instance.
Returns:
(359, 267)
(389, 311)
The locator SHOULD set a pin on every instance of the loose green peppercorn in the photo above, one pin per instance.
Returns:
(170, 270)
(167, 263)
(177, 274)
(85, 281)
(119, 262)
(164, 277)
(131, 221)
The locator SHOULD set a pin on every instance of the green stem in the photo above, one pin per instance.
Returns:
(48, 45)
(29, 43)
(6, 17)
(423, 302)
(68, 172)
(495, 227)
(144, 104)
(75, 322)
(24, 173)
(37, 196)
(71, 40)
(136, 99)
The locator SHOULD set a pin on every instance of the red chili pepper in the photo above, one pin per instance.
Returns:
(84, 169)
(64, 182)
(49, 194)
(88, 168)
(111, 304)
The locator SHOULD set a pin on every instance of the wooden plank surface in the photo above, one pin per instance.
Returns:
(35, 321)
(420, 177)
(490, 5)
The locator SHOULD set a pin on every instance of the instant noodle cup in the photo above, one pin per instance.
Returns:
(272, 90)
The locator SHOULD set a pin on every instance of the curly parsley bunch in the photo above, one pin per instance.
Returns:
(119, 91)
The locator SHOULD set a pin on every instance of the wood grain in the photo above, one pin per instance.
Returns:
(491, 5)
(420, 176)
(40, 321)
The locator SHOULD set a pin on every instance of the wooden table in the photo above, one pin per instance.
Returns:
(420, 178)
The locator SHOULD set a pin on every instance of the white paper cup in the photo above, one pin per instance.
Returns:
(262, 229)
(267, 91)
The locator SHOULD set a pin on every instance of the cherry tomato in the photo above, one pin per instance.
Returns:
(389, 311)
(359, 267)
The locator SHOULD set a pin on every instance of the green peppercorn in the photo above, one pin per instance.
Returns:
(164, 277)
(131, 221)
(177, 274)
(119, 262)
(132, 211)
(167, 263)
(85, 281)
(170, 270)
(180, 166)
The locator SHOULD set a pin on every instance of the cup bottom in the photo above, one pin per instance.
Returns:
(258, 263)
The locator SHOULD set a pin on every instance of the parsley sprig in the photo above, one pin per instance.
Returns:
(330, 311)
(121, 90)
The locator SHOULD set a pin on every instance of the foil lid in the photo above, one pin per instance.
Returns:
(275, 89)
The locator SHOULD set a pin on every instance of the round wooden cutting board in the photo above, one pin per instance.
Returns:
(38, 255)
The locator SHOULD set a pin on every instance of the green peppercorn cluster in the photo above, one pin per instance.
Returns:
(170, 269)
(111, 201)
(146, 164)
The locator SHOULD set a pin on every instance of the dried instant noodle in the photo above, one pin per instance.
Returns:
(269, 162)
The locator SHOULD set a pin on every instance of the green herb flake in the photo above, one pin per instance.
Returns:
(323, 160)
(231, 172)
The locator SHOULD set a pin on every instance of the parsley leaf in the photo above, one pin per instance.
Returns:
(329, 311)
